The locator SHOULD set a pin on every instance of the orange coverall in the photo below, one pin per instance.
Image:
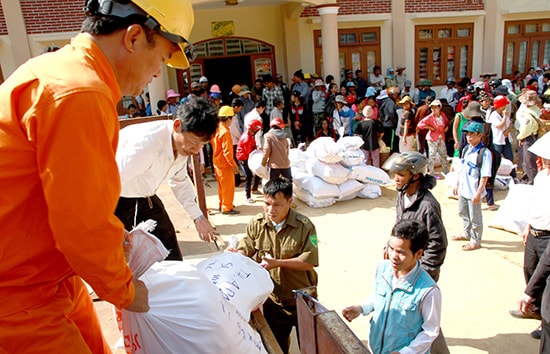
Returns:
(222, 157)
(59, 186)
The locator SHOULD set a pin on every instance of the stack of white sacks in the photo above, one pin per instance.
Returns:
(329, 172)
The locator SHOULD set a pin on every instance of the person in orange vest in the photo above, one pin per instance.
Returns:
(225, 166)
(59, 179)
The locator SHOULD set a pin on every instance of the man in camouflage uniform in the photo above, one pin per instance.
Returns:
(285, 243)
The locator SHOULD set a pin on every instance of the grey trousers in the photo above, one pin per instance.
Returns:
(471, 219)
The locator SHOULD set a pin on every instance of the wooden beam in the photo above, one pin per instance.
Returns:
(258, 322)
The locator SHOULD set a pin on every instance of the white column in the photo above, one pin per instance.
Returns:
(157, 90)
(329, 35)
(17, 31)
(399, 32)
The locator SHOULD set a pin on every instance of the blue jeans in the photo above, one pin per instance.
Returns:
(471, 219)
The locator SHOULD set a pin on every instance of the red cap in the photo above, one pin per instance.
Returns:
(277, 122)
(255, 125)
(500, 101)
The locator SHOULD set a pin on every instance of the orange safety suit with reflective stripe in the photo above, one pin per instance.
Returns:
(59, 187)
(222, 157)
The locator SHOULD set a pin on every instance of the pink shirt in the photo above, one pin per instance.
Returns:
(439, 124)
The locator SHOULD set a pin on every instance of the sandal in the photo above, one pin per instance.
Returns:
(471, 246)
(460, 238)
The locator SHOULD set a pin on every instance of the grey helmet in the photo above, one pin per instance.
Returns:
(411, 161)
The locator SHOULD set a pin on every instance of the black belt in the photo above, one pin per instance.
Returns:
(539, 233)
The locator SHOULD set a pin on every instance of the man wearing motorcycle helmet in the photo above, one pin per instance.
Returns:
(415, 201)
(60, 175)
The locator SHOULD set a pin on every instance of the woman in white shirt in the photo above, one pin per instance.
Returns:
(500, 126)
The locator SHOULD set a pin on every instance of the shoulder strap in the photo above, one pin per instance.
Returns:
(480, 157)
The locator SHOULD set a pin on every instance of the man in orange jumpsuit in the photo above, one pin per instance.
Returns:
(225, 166)
(59, 181)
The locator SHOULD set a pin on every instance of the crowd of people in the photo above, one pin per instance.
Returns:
(477, 122)
(60, 228)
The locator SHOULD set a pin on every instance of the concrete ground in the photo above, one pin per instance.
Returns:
(478, 287)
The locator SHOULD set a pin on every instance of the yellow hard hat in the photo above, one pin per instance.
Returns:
(176, 20)
(172, 19)
(226, 111)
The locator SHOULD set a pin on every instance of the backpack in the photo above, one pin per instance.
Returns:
(494, 165)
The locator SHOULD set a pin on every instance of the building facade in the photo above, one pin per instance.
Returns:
(434, 39)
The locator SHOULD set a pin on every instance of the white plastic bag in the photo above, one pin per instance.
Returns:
(350, 143)
(333, 173)
(242, 282)
(502, 182)
(299, 177)
(505, 168)
(509, 217)
(349, 189)
(187, 312)
(319, 188)
(369, 174)
(325, 150)
(370, 191)
(352, 157)
(255, 164)
(311, 201)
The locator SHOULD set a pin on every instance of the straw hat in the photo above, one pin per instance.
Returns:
(528, 98)
(405, 99)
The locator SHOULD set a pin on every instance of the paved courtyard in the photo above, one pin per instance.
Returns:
(478, 287)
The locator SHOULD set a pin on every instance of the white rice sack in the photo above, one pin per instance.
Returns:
(349, 189)
(389, 162)
(349, 197)
(502, 182)
(509, 217)
(319, 188)
(297, 156)
(505, 168)
(255, 163)
(456, 164)
(451, 179)
(352, 157)
(350, 142)
(242, 282)
(298, 177)
(185, 310)
(333, 173)
(324, 149)
(369, 174)
(299, 166)
(311, 201)
(370, 191)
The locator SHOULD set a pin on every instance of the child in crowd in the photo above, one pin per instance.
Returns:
(370, 130)
(470, 186)
(162, 108)
(407, 128)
